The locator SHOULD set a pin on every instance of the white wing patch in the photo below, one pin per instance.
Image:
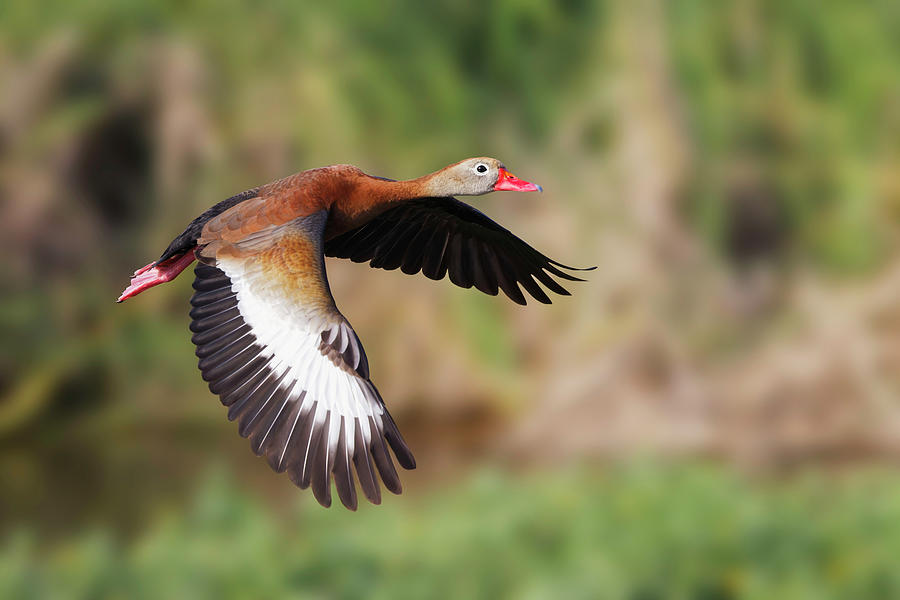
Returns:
(295, 376)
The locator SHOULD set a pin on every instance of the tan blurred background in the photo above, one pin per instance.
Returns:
(714, 413)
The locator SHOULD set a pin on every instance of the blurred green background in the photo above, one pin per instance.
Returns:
(714, 414)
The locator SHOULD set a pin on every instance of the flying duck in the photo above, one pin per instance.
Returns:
(270, 340)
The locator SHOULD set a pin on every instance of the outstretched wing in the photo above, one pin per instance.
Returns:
(289, 366)
(443, 235)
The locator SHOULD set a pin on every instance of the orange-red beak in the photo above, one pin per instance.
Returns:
(508, 181)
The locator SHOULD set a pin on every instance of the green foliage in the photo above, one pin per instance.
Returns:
(804, 95)
(482, 323)
(382, 75)
(635, 532)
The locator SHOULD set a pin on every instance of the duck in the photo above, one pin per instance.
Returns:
(270, 340)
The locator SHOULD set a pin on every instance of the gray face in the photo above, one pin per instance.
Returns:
(471, 177)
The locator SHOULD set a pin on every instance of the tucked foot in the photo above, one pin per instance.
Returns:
(153, 274)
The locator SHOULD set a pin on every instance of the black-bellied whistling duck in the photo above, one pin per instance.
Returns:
(273, 345)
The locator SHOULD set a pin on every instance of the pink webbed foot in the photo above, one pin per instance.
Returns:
(144, 269)
(148, 276)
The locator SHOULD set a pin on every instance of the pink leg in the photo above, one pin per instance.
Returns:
(149, 276)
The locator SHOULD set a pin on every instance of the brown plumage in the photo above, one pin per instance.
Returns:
(270, 339)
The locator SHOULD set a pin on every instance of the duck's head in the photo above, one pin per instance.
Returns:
(476, 176)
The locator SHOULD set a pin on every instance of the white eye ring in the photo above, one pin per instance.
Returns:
(481, 168)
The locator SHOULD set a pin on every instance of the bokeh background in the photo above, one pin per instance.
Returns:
(713, 414)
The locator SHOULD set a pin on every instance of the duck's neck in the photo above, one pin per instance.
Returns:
(384, 191)
(370, 197)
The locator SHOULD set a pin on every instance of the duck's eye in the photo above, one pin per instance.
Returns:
(481, 168)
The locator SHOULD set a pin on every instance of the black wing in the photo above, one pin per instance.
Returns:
(443, 235)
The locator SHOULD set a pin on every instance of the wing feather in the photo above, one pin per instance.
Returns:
(438, 236)
(289, 366)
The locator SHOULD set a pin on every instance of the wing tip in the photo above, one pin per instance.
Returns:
(559, 264)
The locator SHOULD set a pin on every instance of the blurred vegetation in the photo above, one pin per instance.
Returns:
(731, 167)
(794, 104)
(638, 532)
